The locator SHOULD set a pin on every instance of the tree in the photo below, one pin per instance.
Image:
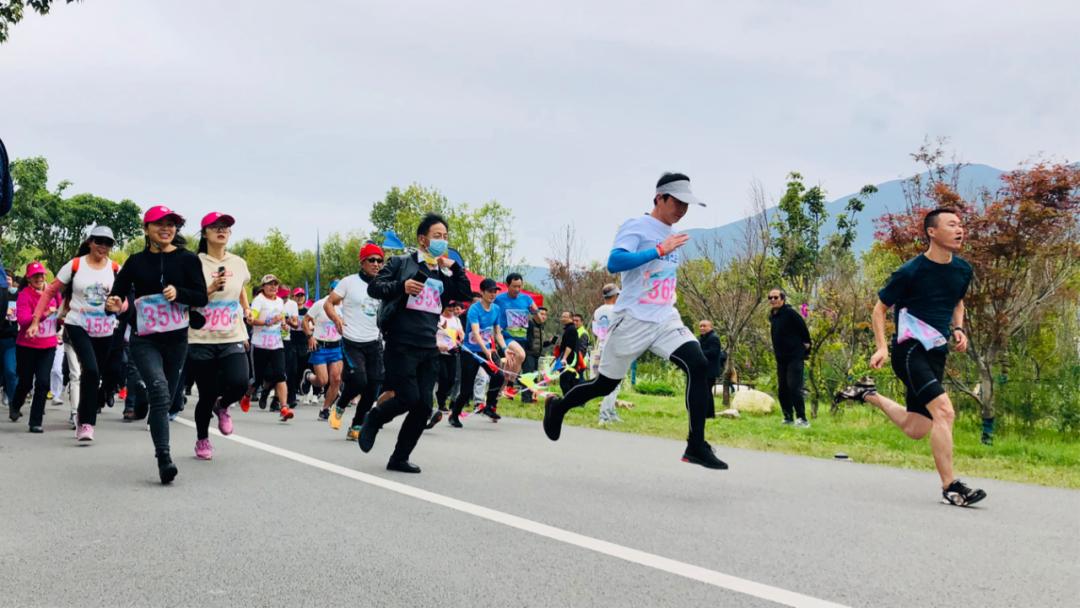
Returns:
(11, 12)
(51, 226)
(577, 287)
(1022, 241)
(272, 255)
(493, 231)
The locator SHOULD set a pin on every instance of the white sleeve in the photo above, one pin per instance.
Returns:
(65, 274)
(628, 237)
(342, 288)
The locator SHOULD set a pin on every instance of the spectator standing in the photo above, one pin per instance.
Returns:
(791, 345)
(714, 353)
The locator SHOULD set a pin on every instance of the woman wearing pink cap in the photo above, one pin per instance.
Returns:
(217, 355)
(34, 355)
(165, 280)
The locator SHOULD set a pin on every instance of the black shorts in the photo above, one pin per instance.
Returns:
(270, 365)
(922, 373)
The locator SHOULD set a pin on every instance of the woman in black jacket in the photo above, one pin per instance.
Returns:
(165, 280)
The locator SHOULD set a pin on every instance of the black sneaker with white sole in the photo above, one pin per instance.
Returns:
(553, 417)
(858, 391)
(959, 495)
(703, 455)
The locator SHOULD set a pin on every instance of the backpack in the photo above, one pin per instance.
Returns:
(74, 269)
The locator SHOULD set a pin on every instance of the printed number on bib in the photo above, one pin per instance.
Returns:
(517, 322)
(486, 334)
(221, 315)
(47, 327)
(428, 300)
(659, 288)
(97, 324)
(157, 315)
(268, 338)
(11, 316)
(327, 332)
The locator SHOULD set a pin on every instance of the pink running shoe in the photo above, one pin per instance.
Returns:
(85, 433)
(224, 421)
(203, 449)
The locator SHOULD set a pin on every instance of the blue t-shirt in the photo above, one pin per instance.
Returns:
(928, 290)
(515, 317)
(487, 320)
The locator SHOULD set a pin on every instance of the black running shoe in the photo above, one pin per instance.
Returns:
(959, 495)
(324, 414)
(703, 455)
(455, 421)
(491, 413)
(858, 391)
(14, 414)
(436, 417)
(553, 417)
(368, 431)
(402, 466)
(166, 469)
(262, 399)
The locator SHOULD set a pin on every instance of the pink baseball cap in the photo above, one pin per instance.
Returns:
(282, 292)
(160, 212)
(298, 291)
(34, 268)
(217, 216)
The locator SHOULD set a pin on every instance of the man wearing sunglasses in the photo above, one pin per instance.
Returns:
(360, 337)
(791, 345)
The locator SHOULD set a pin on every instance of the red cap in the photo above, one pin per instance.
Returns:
(216, 216)
(160, 212)
(370, 249)
(34, 268)
(282, 292)
(299, 290)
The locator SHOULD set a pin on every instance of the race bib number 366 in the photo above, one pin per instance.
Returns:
(157, 315)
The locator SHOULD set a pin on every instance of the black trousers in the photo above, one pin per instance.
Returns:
(448, 375)
(159, 361)
(220, 371)
(531, 364)
(33, 365)
(568, 380)
(93, 354)
(789, 383)
(470, 367)
(292, 360)
(362, 376)
(412, 374)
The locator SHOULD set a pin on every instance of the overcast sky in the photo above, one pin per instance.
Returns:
(565, 111)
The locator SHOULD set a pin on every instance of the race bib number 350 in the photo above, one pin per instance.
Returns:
(428, 300)
(157, 315)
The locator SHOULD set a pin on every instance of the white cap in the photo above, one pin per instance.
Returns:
(103, 231)
(680, 189)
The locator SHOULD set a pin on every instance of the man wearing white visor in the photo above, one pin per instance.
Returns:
(646, 255)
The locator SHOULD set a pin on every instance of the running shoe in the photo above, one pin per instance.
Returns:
(959, 495)
(402, 466)
(553, 417)
(14, 414)
(455, 422)
(858, 391)
(166, 469)
(85, 433)
(245, 403)
(491, 413)
(224, 421)
(510, 392)
(203, 449)
(324, 414)
(36, 429)
(368, 431)
(436, 417)
(703, 455)
(802, 423)
(262, 399)
(275, 406)
(335, 417)
(787, 422)
(286, 414)
(173, 415)
(73, 420)
(354, 433)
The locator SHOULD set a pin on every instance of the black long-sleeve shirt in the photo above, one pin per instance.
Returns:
(569, 341)
(147, 273)
(408, 326)
(789, 334)
(714, 353)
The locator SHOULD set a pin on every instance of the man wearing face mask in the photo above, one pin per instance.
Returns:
(413, 289)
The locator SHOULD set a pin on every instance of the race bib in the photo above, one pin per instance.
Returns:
(47, 327)
(327, 332)
(11, 316)
(428, 300)
(517, 322)
(221, 315)
(910, 327)
(98, 324)
(486, 334)
(659, 288)
(157, 315)
(267, 338)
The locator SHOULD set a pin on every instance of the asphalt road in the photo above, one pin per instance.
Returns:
(292, 514)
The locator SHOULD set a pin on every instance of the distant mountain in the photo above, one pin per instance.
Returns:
(888, 199)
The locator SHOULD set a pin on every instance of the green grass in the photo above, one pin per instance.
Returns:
(1039, 456)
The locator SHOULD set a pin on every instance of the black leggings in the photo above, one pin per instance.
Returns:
(93, 354)
(33, 366)
(448, 371)
(469, 368)
(362, 376)
(225, 376)
(699, 401)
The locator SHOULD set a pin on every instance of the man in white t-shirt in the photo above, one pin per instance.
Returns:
(361, 340)
(646, 256)
(601, 325)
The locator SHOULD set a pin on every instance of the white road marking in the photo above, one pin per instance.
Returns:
(643, 558)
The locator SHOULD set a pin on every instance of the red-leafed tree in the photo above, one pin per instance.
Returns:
(1022, 241)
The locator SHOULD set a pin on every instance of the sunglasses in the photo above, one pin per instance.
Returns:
(100, 240)
(374, 260)
(775, 298)
(218, 227)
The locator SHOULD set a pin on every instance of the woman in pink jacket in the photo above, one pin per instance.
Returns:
(33, 356)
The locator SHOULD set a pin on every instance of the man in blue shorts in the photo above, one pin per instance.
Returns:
(927, 295)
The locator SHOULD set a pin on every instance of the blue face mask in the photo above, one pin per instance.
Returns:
(13, 290)
(438, 247)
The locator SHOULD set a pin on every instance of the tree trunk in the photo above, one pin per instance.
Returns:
(986, 391)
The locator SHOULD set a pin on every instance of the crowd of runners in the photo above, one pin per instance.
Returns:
(408, 335)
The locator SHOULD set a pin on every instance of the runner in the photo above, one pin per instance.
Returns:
(485, 333)
(268, 354)
(601, 324)
(413, 288)
(88, 329)
(33, 355)
(299, 341)
(927, 295)
(217, 357)
(448, 339)
(646, 256)
(353, 311)
(165, 280)
(324, 342)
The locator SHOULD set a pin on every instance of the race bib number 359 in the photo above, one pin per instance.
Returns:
(428, 300)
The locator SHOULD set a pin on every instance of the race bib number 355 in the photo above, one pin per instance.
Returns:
(97, 324)
(157, 315)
